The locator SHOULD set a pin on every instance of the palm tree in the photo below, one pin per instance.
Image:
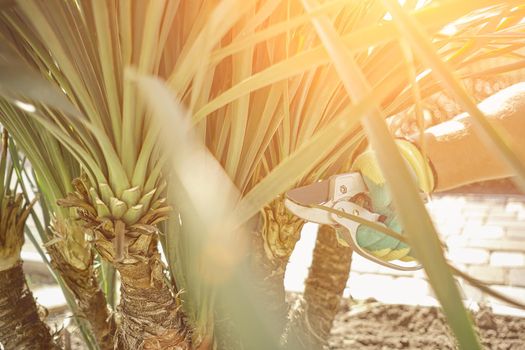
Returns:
(261, 95)
(277, 121)
(21, 325)
(119, 197)
(66, 242)
(243, 112)
(465, 56)
(245, 120)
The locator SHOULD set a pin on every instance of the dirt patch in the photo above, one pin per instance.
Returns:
(371, 325)
(383, 327)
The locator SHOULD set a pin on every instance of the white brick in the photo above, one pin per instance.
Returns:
(515, 233)
(447, 229)
(498, 244)
(449, 201)
(514, 207)
(360, 264)
(489, 274)
(475, 212)
(406, 290)
(393, 272)
(507, 223)
(499, 211)
(474, 221)
(499, 309)
(513, 292)
(517, 277)
(507, 259)
(457, 241)
(484, 231)
(368, 286)
(493, 200)
(468, 255)
(471, 293)
(450, 221)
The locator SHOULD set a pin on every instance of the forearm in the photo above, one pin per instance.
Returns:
(460, 156)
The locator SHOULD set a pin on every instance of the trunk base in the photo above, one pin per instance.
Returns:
(270, 282)
(150, 316)
(272, 247)
(312, 317)
(90, 298)
(20, 323)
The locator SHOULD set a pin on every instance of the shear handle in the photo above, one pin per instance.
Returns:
(348, 232)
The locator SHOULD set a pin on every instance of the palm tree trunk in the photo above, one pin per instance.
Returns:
(271, 281)
(269, 270)
(312, 317)
(150, 315)
(20, 323)
(83, 283)
(272, 246)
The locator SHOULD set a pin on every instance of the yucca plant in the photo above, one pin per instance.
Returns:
(235, 117)
(273, 122)
(122, 189)
(64, 238)
(232, 129)
(275, 244)
(21, 324)
(357, 86)
(247, 73)
(119, 196)
(278, 244)
(313, 315)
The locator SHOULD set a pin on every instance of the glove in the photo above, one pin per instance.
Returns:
(376, 243)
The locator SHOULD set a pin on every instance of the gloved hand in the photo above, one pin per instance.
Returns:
(378, 244)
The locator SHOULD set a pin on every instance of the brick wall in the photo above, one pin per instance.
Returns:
(485, 235)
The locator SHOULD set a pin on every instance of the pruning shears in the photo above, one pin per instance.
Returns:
(321, 201)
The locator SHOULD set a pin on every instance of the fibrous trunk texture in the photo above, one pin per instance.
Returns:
(272, 246)
(270, 281)
(20, 323)
(127, 238)
(312, 316)
(150, 316)
(91, 301)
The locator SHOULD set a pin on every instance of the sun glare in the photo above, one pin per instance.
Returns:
(25, 106)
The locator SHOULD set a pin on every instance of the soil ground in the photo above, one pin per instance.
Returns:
(367, 325)
(375, 326)
(370, 325)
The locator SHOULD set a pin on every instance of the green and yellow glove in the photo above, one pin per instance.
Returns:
(376, 243)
